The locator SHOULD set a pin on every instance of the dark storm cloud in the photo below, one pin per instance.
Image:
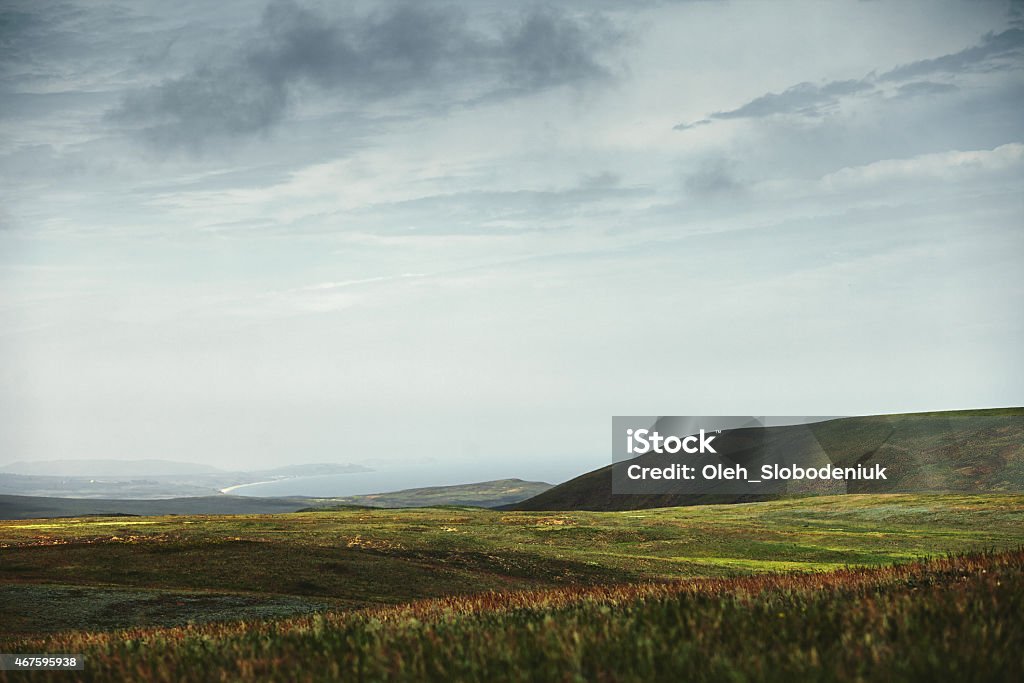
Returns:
(1016, 13)
(62, 46)
(208, 103)
(411, 51)
(547, 50)
(21, 33)
(996, 50)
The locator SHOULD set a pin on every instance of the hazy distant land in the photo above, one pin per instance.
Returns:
(481, 494)
(145, 479)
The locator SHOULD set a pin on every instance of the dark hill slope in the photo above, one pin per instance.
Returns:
(979, 451)
(32, 507)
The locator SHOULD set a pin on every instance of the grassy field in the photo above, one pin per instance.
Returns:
(954, 618)
(104, 573)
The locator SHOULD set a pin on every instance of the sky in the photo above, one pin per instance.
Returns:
(468, 234)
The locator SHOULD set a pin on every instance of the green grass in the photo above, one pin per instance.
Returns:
(352, 559)
(955, 618)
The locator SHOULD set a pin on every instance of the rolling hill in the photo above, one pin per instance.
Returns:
(483, 494)
(976, 451)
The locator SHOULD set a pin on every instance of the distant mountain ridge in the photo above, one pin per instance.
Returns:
(977, 451)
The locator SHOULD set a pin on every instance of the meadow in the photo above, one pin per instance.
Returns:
(758, 591)
(953, 618)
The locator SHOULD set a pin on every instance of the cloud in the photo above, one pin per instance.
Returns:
(951, 165)
(688, 126)
(804, 98)
(432, 57)
(600, 181)
(208, 103)
(712, 178)
(924, 88)
(996, 50)
(502, 211)
(547, 50)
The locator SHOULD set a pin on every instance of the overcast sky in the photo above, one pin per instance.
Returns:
(252, 235)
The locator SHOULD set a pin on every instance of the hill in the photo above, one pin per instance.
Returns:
(483, 494)
(956, 451)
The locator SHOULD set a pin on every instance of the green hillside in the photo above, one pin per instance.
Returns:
(959, 451)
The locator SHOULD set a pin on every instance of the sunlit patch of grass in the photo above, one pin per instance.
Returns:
(755, 566)
(80, 523)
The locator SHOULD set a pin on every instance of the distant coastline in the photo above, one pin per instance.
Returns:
(376, 481)
(229, 489)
